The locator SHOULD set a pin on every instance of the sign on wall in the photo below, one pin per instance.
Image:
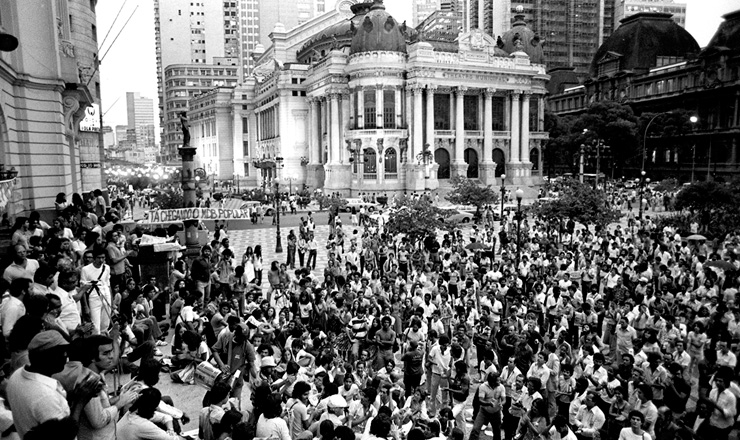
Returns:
(91, 122)
(182, 214)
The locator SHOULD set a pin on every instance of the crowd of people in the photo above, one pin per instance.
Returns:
(608, 334)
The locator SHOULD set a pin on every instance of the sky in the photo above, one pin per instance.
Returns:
(129, 65)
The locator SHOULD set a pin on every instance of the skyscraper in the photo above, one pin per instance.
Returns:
(259, 17)
(491, 16)
(191, 33)
(141, 118)
(423, 9)
(570, 31)
(626, 8)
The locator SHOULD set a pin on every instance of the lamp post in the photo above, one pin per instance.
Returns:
(693, 121)
(503, 195)
(519, 196)
(278, 241)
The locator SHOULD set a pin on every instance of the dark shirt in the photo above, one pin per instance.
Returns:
(200, 270)
(672, 400)
(413, 362)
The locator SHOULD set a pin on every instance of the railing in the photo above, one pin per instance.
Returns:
(391, 176)
(370, 176)
(444, 133)
(473, 134)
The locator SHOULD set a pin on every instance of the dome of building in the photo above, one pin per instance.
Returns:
(521, 38)
(728, 33)
(645, 37)
(377, 31)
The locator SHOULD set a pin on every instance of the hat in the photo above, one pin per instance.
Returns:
(268, 361)
(47, 340)
(337, 401)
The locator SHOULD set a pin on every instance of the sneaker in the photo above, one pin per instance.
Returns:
(161, 343)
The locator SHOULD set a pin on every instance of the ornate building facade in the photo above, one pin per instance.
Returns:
(48, 82)
(354, 101)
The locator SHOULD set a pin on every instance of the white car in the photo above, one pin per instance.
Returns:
(457, 216)
(358, 204)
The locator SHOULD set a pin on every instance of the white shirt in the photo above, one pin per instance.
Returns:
(91, 273)
(35, 399)
(70, 314)
(12, 310)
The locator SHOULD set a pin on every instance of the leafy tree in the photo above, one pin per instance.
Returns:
(613, 123)
(169, 200)
(668, 185)
(333, 203)
(416, 219)
(578, 202)
(467, 192)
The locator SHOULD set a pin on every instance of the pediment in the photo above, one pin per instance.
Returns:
(475, 40)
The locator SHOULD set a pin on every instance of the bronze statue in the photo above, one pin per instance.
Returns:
(185, 125)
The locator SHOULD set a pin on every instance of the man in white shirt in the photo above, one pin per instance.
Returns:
(69, 295)
(22, 267)
(12, 308)
(97, 275)
(725, 358)
(440, 357)
(590, 418)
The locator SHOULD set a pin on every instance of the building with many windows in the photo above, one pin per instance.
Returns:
(626, 8)
(655, 66)
(355, 101)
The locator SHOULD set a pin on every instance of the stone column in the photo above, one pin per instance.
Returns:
(430, 115)
(418, 122)
(515, 137)
(379, 106)
(360, 108)
(398, 102)
(350, 115)
(541, 113)
(458, 157)
(452, 110)
(507, 112)
(314, 147)
(346, 118)
(525, 128)
(488, 125)
(487, 165)
(334, 144)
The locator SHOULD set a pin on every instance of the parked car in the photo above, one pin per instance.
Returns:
(268, 210)
(358, 203)
(457, 216)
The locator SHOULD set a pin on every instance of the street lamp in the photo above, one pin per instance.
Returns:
(693, 121)
(519, 196)
(642, 189)
(503, 195)
(278, 241)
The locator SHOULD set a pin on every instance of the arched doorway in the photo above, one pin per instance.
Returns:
(534, 157)
(471, 158)
(371, 164)
(500, 160)
(442, 157)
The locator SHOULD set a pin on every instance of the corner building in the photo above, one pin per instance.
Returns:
(354, 101)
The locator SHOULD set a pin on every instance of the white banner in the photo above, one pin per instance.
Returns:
(178, 215)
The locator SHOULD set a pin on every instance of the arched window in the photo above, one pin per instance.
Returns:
(534, 157)
(391, 164)
(371, 164)
(471, 158)
(499, 159)
(442, 157)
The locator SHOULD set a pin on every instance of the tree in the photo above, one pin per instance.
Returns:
(467, 192)
(334, 203)
(416, 219)
(578, 202)
(169, 200)
(667, 185)
(613, 123)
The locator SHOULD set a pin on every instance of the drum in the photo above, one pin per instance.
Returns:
(206, 375)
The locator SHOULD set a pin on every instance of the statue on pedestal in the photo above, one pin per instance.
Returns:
(185, 125)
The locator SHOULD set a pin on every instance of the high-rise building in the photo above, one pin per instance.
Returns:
(491, 16)
(191, 34)
(626, 8)
(569, 31)
(258, 19)
(423, 9)
(141, 118)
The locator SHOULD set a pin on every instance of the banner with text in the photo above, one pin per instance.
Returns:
(179, 215)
